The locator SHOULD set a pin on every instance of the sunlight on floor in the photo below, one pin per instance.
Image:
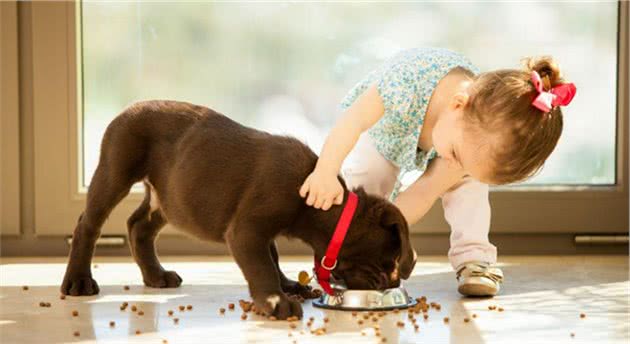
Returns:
(542, 302)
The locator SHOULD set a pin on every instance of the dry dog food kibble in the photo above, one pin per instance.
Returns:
(500, 309)
(182, 308)
(189, 307)
(137, 332)
(582, 315)
(474, 315)
(292, 325)
(170, 312)
(176, 321)
(243, 316)
(221, 310)
(75, 313)
(360, 322)
(140, 313)
(492, 308)
(134, 308)
(446, 320)
(293, 318)
(126, 287)
(231, 306)
(245, 306)
(466, 320)
(400, 324)
(320, 331)
(326, 320)
(426, 316)
(25, 287)
(112, 324)
(76, 333)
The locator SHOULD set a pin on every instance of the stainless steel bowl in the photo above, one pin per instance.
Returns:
(362, 300)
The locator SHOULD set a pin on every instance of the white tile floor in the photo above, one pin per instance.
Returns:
(542, 297)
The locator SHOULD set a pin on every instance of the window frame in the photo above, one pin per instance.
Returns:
(59, 199)
(9, 121)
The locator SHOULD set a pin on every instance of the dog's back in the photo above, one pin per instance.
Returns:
(197, 161)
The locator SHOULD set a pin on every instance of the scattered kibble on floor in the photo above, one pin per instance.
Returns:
(112, 323)
(75, 313)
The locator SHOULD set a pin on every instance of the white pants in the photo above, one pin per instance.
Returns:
(466, 205)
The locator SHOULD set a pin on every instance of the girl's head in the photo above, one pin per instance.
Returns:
(495, 133)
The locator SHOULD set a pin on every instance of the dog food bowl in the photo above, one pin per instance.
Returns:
(365, 300)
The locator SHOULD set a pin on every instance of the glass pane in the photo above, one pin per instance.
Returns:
(284, 67)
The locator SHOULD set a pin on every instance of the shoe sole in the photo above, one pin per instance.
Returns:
(474, 289)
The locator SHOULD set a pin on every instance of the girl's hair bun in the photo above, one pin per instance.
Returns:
(547, 68)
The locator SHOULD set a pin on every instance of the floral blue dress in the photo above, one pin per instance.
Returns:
(405, 83)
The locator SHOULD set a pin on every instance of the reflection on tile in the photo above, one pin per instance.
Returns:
(542, 297)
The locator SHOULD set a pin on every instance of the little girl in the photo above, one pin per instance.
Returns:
(431, 110)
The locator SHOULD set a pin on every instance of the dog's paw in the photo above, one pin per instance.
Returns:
(291, 287)
(164, 279)
(79, 286)
(279, 305)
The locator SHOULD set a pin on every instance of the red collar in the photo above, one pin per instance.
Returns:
(329, 260)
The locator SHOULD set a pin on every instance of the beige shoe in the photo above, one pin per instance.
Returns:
(478, 279)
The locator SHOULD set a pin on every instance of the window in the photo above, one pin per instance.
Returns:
(284, 67)
(290, 75)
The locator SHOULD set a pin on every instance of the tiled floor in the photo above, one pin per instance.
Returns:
(542, 297)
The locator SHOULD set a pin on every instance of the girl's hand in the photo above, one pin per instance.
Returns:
(323, 190)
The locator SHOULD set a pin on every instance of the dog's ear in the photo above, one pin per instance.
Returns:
(392, 219)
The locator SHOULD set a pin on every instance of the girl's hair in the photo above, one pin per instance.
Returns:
(500, 105)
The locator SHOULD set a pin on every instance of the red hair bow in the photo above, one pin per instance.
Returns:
(559, 95)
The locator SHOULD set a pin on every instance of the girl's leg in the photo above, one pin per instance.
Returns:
(467, 210)
(366, 167)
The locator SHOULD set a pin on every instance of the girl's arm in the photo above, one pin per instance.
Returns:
(322, 185)
(418, 198)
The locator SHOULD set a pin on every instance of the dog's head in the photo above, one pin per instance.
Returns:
(376, 253)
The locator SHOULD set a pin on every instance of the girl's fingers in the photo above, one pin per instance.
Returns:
(311, 198)
(304, 189)
(318, 202)
(327, 203)
(339, 198)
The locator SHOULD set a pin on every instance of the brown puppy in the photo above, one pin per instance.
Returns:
(218, 180)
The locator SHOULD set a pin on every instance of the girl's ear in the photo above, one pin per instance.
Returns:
(459, 100)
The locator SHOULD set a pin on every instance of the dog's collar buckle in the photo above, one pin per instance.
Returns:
(323, 265)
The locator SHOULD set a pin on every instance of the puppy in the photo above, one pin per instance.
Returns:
(218, 180)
